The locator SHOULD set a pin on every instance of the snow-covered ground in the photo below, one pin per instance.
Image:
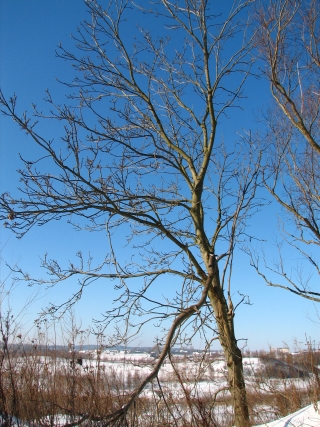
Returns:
(197, 377)
(305, 417)
(200, 377)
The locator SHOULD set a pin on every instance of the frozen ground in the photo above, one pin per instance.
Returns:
(199, 377)
(305, 417)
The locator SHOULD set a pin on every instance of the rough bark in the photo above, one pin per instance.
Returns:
(224, 317)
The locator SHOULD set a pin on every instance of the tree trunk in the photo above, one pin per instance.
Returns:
(224, 318)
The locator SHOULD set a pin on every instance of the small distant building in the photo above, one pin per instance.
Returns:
(281, 350)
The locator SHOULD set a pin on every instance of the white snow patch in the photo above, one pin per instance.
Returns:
(305, 417)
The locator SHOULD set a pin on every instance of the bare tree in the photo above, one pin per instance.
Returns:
(140, 155)
(288, 43)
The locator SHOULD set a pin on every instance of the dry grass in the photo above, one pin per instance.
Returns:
(39, 384)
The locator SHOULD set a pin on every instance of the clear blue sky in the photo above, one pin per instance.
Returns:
(30, 32)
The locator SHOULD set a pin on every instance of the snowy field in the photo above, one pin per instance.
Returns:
(201, 377)
(195, 376)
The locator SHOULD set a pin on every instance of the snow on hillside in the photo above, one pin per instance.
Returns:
(199, 377)
(305, 417)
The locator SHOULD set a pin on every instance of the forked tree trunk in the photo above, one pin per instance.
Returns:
(224, 318)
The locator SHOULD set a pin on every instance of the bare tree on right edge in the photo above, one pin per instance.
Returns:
(288, 42)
